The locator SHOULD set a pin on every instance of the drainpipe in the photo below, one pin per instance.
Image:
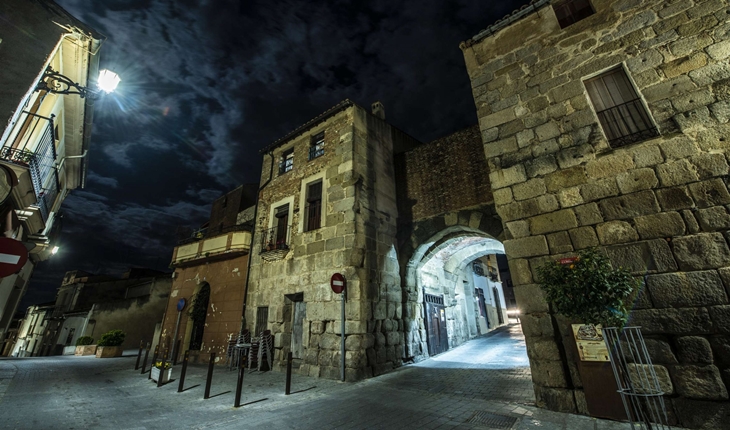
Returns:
(253, 235)
(86, 322)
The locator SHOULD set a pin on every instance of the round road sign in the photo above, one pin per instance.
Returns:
(13, 255)
(337, 282)
(180, 305)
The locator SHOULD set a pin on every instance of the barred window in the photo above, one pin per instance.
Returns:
(569, 12)
(316, 148)
(286, 163)
(313, 209)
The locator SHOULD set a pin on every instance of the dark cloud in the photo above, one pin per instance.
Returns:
(205, 85)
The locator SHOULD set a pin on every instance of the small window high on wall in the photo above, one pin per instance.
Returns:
(620, 111)
(569, 12)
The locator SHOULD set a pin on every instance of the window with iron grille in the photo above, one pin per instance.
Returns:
(262, 318)
(622, 115)
(286, 163)
(478, 268)
(316, 147)
(313, 209)
(569, 12)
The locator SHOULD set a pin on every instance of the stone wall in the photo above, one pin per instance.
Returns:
(658, 207)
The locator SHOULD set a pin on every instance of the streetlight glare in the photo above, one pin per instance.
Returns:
(108, 81)
(54, 250)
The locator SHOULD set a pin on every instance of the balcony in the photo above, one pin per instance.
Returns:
(627, 123)
(275, 243)
(212, 245)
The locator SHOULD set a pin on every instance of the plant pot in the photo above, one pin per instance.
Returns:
(166, 374)
(85, 350)
(108, 351)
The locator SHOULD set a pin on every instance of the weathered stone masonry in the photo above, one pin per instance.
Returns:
(659, 207)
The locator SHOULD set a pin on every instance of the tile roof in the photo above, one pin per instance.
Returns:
(517, 14)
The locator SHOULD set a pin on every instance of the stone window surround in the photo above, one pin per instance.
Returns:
(272, 210)
(321, 176)
(636, 89)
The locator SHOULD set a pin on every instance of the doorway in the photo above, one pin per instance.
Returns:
(438, 338)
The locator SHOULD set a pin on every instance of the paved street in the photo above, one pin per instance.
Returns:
(480, 385)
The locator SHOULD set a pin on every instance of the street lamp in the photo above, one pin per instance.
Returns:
(56, 83)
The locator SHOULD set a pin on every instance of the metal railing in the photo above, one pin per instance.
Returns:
(286, 165)
(275, 238)
(627, 123)
(208, 232)
(316, 151)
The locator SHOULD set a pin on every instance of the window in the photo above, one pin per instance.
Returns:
(622, 115)
(262, 318)
(313, 208)
(478, 268)
(569, 12)
(316, 147)
(282, 226)
(287, 161)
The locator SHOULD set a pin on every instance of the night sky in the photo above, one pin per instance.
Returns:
(206, 84)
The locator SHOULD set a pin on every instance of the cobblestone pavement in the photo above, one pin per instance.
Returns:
(469, 387)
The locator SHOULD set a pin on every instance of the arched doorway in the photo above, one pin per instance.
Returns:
(453, 290)
(198, 313)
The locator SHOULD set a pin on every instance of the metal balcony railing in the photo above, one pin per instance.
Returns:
(316, 151)
(208, 232)
(627, 123)
(276, 238)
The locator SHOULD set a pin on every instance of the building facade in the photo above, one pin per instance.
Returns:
(44, 136)
(211, 265)
(605, 123)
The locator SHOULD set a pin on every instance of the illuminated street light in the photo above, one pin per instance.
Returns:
(54, 82)
(54, 250)
(108, 81)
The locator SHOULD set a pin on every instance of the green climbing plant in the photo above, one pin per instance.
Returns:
(199, 309)
(588, 289)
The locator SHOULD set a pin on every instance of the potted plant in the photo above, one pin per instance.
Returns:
(85, 346)
(110, 344)
(161, 369)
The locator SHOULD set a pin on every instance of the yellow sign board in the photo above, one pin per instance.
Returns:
(590, 343)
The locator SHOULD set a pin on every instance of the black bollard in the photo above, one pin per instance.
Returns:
(154, 360)
(239, 384)
(288, 373)
(182, 372)
(146, 354)
(139, 354)
(162, 369)
(209, 379)
(175, 352)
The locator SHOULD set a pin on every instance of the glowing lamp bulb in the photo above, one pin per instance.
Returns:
(108, 80)
(54, 250)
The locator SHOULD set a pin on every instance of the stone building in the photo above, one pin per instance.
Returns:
(211, 265)
(332, 201)
(605, 123)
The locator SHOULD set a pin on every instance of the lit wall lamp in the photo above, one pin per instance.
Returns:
(56, 83)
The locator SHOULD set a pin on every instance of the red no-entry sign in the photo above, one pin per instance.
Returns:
(337, 282)
(13, 256)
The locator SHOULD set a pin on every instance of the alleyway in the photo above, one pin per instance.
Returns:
(469, 387)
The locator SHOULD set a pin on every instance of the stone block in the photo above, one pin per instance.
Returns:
(687, 102)
(660, 351)
(701, 414)
(555, 399)
(672, 199)
(526, 247)
(710, 165)
(684, 65)
(518, 229)
(721, 318)
(588, 214)
(643, 257)
(669, 88)
(527, 190)
(565, 178)
(547, 147)
(712, 219)
(613, 232)
(540, 166)
(710, 193)
(569, 197)
(500, 147)
(645, 156)
(721, 111)
(502, 196)
(672, 321)
(530, 299)
(701, 251)
(575, 156)
(694, 350)
(506, 177)
(583, 237)
(678, 147)
(665, 224)
(676, 173)
(536, 325)
(629, 205)
(556, 221)
(559, 242)
(497, 118)
(548, 373)
(699, 382)
(721, 350)
(684, 289)
(547, 131)
(638, 374)
(637, 180)
(609, 166)
(694, 121)
(690, 221)
(600, 189)
(525, 138)
(519, 269)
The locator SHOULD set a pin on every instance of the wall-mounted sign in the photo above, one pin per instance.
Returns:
(569, 260)
(590, 343)
(337, 283)
(180, 305)
(13, 255)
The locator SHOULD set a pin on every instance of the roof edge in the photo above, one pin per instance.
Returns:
(516, 15)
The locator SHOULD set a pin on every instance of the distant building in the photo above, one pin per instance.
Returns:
(44, 137)
(29, 342)
(210, 268)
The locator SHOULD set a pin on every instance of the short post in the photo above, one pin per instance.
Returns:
(239, 383)
(146, 354)
(176, 351)
(209, 378)
(288, 373)
(139, 354)
(182, 372)
(342, 335)
(154, 360)
(162, 369)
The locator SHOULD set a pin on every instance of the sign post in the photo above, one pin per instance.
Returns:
(180, 307)
(337, 283)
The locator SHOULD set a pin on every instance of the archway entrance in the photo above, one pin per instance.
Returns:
(455, 290)
(198, 314)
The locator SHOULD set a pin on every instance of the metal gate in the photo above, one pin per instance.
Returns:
(438, 338)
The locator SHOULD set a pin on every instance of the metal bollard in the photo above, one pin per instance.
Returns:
(146, 354)
(162, 369)
(154, 360)
(139, 354)
(209, 379)
(182, 372)
(176, 351)
(288, 373)
(239, 383)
